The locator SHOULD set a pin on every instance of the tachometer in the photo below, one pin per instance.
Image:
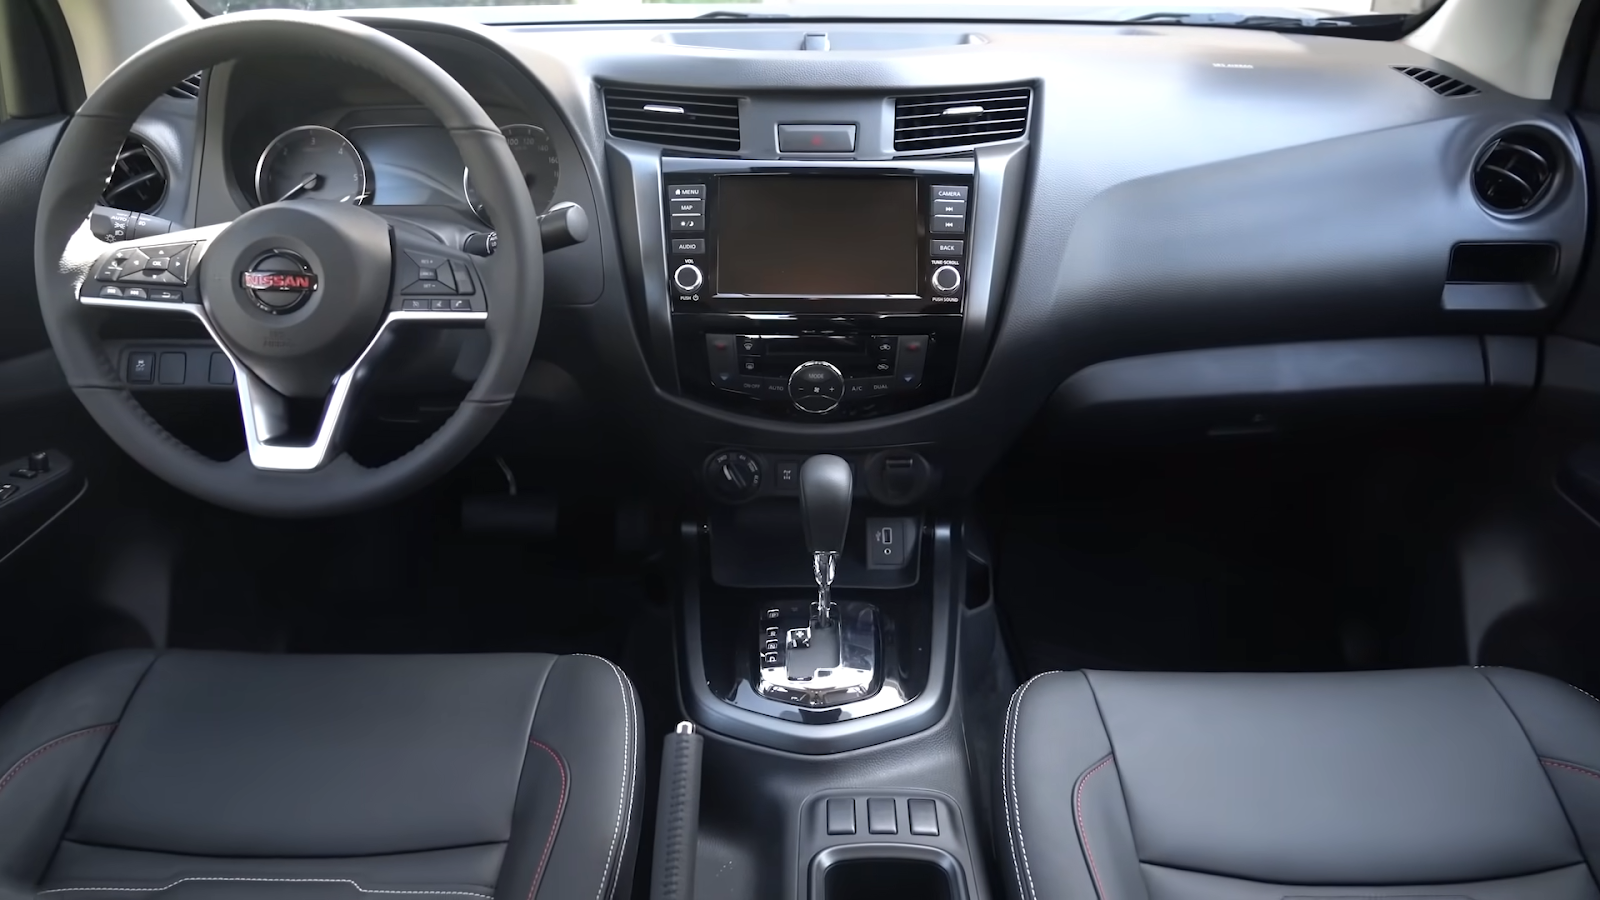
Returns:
(536, 157)
(311, 161)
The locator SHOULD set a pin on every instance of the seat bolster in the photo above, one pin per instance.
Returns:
(577, 820)
(50, 739)
(1563, 726)
(1062, 791)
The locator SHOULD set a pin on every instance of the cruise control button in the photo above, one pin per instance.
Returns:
(429, 287)
(463, 277)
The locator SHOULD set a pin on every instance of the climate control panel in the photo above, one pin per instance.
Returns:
(817, 373)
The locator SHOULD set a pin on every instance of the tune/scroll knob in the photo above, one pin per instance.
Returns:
(688, 278)
(816, 387)
(946, 279)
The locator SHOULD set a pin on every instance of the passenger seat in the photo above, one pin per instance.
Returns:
(1443, 783)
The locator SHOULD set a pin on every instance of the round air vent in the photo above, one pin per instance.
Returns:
(1517, 170)
(138, 179)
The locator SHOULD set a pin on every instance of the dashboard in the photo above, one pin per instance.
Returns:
(960, 228)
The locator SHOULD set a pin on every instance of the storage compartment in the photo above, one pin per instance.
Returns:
(876, 871)
(874, 879)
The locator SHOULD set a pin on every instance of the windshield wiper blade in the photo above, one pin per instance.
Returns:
(739, 14)
(1271, 23)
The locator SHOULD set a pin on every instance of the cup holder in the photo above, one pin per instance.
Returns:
(876, 871)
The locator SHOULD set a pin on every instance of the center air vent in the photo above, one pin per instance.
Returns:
(138, 181)
(1516, 170)
(942, 121)
(1440, 84)
(695, 121)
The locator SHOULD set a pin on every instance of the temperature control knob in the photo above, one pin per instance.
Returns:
(688, 278)
(946, 279)
(816, 387)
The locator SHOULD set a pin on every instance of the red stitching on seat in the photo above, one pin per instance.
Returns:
(40, 751)
(1083, 834)
(1561, 765)
(555, 823)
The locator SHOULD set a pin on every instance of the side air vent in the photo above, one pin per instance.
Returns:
(138, 180)
(1439, 83)
(695, 121)
(942, 121)
(1516, 171)
(187, 89)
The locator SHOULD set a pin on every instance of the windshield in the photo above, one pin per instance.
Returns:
(1333, 14)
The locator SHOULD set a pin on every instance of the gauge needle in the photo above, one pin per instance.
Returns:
(309, 183)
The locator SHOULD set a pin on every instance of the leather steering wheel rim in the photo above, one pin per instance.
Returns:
(512, 279)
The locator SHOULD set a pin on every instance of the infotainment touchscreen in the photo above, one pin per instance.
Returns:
(812, 236)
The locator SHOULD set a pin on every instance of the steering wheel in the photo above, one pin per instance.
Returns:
(301, 295)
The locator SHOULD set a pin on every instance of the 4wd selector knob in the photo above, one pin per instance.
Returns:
(688, 278)
(946, 279)
(815, 387)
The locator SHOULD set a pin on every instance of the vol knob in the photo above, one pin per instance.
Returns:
(946, 279)
(688, 278)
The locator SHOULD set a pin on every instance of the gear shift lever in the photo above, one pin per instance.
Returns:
(825, 485)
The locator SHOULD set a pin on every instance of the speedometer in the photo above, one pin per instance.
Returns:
(311, 162)
(536, 157)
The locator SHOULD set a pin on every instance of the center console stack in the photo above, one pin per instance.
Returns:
(817, 289)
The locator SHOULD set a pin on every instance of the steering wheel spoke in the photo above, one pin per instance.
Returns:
(430, 278)
(154, 274)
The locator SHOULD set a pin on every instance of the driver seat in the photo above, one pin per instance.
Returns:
(181, 775)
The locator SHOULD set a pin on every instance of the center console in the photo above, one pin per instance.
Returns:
(811, 291)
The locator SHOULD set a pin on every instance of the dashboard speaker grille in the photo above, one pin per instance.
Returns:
(966, 119)
(138, 180)
(1516, 171)
(1439, 83)
(187, 89)
(695, 121)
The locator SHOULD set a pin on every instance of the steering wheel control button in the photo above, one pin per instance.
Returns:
(280, 282)
(463, 277)
(165, 295)
(816, 387)
(112, 292)
(141, 367)
(136, 293)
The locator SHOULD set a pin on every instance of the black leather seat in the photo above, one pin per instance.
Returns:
(188, 775)
(1445, 783)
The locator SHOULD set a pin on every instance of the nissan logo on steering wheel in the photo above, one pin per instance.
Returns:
(279, 282)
